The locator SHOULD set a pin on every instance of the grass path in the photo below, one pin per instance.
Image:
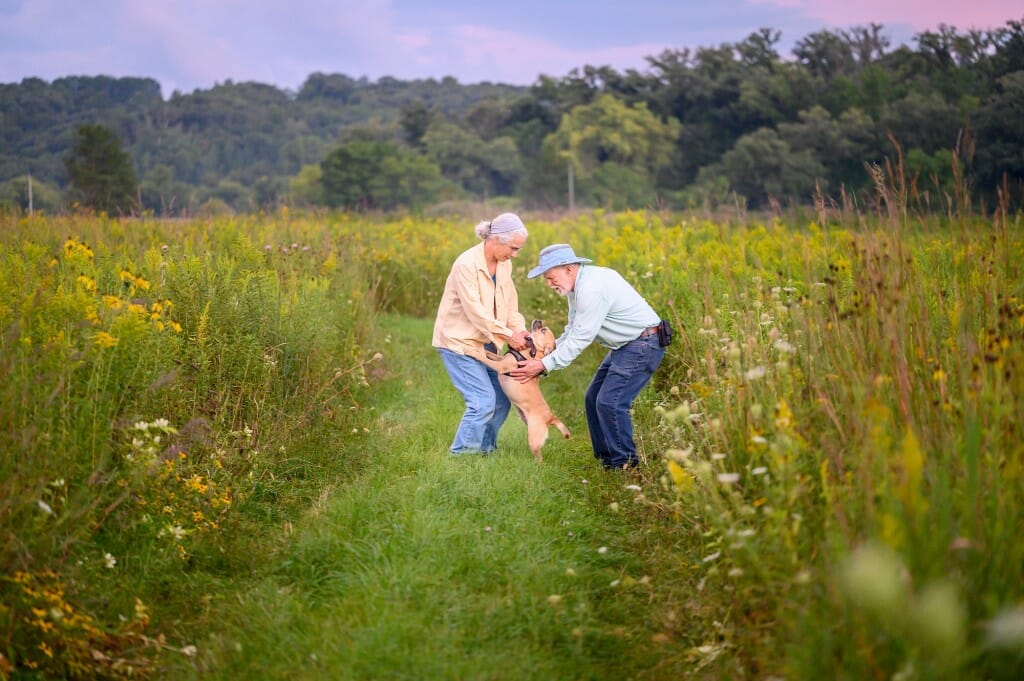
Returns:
(432, 567)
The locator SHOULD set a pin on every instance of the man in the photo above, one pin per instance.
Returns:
(603, 307)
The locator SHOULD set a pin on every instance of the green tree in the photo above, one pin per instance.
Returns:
(839, 146)
(609, 131)
(102, 176)
(162, 192)
(305, 187)
(415, 120)
(762, 166)
(15, 193)
(366, 175)
(1000, 125)
(483, 168)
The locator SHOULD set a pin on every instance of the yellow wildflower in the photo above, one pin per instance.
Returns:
(105, 340)
(86, 282)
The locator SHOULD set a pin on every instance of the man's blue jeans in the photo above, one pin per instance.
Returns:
(486, 404)
(619, 379)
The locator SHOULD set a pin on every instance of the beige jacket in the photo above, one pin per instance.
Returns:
(474, 310)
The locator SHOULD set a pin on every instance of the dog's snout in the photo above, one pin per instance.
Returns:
(533, 348)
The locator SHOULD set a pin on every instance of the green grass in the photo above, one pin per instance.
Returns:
(832, 483)
(427, 566)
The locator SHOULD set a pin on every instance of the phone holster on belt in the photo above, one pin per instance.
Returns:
(664, 333)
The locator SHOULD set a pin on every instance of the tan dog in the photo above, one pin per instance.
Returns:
(526, 397)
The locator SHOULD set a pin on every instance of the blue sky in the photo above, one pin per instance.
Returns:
(189, 44)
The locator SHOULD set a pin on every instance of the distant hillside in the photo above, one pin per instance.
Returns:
(236, 131)
(731, 124)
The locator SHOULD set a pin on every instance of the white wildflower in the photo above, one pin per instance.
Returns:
(45, 507)
(728, 478)
(1006, 630)
(176, 531)
(757, 373)
(109, 561)
(784, 346)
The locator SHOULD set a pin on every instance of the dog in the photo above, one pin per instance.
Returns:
(527, 398)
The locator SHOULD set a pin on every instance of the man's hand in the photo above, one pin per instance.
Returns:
(527, 370)
(518, 340)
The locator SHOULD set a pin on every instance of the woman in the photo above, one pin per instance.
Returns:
(480, 306)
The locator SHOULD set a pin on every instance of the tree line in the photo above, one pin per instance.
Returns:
(726, 123)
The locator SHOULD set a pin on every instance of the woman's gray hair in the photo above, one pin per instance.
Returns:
(502, 228)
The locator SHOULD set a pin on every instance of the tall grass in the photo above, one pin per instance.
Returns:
(833, 444)
(843, 429)
(156, 382)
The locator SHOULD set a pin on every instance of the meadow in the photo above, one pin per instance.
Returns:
(223, 455)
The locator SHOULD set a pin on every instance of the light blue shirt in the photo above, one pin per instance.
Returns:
(603, 307)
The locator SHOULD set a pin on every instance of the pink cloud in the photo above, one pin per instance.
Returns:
(504, 56)
(919, 14)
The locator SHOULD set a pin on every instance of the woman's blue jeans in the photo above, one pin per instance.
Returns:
(619, 379)
(486, 404)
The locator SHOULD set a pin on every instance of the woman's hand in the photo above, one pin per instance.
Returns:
(518, 341)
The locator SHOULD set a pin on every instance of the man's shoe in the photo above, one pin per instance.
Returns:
(621, 466)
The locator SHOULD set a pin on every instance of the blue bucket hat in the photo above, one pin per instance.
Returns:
(553, 256)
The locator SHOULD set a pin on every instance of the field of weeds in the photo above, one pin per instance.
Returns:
(833, 443)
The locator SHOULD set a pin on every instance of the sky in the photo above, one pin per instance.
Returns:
(196, 44)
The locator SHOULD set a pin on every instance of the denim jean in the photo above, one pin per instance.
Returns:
(486, 404)
(619, 379)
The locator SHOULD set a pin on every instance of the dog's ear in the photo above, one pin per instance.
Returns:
(537, 324)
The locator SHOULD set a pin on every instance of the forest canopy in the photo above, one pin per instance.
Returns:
(733, 122)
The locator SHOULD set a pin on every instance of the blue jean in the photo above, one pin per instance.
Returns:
(619, 379)
(486, 404)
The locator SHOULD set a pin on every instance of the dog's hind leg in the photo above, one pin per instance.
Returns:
(536, 435)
